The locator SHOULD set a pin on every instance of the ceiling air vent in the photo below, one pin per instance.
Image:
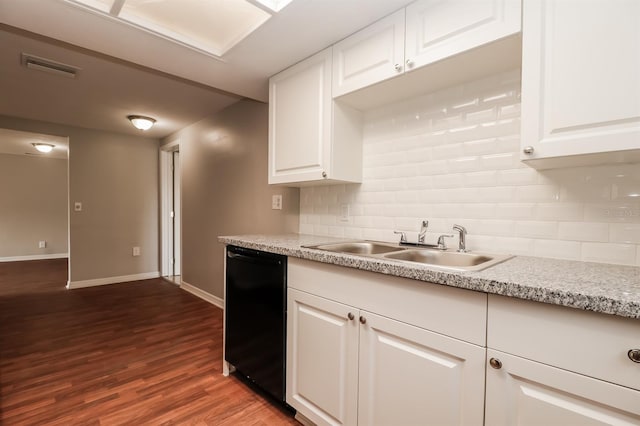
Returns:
(47, 65)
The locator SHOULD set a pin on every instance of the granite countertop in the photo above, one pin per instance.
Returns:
(598, 287)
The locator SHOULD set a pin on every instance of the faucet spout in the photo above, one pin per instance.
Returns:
(423, 231)
(462, 231)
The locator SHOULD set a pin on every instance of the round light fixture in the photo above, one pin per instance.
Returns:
(141, 122)
(43, 147)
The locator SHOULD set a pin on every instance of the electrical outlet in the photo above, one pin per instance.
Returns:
(77, 206)
(136, 251)
(276, 202)
(42, 244)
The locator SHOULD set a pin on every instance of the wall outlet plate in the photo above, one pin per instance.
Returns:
(276, 202)
(136, 251)
(42, 244)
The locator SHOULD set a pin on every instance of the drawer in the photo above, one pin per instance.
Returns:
(588, 343)
(458, 313)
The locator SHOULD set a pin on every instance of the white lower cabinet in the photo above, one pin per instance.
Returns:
(412, 376)
(348, 366)
(528, 393)
(322, 359)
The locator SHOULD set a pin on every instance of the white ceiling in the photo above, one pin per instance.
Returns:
(125, 70)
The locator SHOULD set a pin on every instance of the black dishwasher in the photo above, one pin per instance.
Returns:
(255, 317)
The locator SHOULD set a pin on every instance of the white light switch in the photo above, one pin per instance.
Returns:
(77, 206)
(344, 213)
(136, 251)
(276, 202)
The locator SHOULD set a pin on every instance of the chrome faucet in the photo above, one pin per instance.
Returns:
(423, 231)
(462, 245)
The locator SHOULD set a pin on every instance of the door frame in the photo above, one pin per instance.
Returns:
(166, 192)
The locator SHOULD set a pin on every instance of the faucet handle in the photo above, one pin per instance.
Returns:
(403, 236)
(441, 242)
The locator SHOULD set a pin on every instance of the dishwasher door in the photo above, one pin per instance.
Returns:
(255, 317)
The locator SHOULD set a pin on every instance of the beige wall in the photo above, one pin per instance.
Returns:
(115, 176)
(33, 205)
(225, 191)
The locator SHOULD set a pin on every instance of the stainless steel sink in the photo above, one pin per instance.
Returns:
(441, 259)
(359, 247)
(449, 259)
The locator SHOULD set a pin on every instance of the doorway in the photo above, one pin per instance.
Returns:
(171, 212)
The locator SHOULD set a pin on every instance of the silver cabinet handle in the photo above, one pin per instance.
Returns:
(350, 316)
(397, 67)
(528, 150)
(363, 320)
(409, 63)
(495, 363)
(634, 355)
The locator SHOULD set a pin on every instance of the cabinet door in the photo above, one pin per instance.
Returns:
(322, 359)
(300, 121)
(437, 29)
(411, 376)
(527, 393)
(580, 79)
(369, 56)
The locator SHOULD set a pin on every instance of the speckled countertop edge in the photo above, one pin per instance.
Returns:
(604, 288)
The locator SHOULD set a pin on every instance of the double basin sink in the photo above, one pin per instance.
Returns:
(441, 259)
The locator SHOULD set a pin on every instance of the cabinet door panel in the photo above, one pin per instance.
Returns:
(300, 120)
(437, 29)
(322, 359)
(527, 393)
(369, 56)
(411, 376)
(580, 77)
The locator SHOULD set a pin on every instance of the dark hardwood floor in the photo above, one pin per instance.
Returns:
(142, 353)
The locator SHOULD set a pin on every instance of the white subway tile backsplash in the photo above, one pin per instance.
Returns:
(454, 157)
(534, 229)
(623, 254)
(625, 233)
(612, 213)
(482, 178)
(584, 231)
(560, 211)
(538, 193)
(557, 249)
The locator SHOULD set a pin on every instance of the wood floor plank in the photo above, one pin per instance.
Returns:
(141, 353)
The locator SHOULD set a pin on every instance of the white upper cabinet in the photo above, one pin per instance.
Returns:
(429, 45)
(373, 54)
(311, 138)
(437, 29)
(580, 82)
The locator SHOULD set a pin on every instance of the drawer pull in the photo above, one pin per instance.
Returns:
(363, 320)
(350, 316)
(495, 363)
(634, 355)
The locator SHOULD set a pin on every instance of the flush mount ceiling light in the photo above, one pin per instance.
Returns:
(43, 147)
(208, 26)
(141, 122)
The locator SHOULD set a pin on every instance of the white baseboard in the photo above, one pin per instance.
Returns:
(112, 280)
(34, 257)
(214, 300)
